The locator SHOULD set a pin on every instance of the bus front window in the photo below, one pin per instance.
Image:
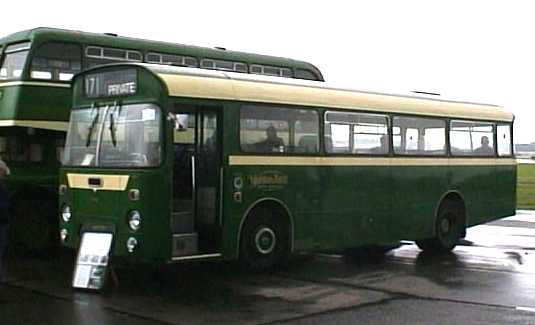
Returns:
(81, 143)
(114, 136)
(14, 60)
(131, 137)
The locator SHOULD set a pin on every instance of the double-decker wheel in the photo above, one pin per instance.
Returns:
(449, 229)
(264, 241)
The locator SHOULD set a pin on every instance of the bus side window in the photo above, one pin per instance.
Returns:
(504, 140)
(419, 136)
(357, 133)
(471, 138)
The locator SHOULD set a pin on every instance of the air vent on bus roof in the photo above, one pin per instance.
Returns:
(111, 34)
(425, 93)
(220, 48)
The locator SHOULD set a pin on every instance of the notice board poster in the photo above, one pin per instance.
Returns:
(92, 261)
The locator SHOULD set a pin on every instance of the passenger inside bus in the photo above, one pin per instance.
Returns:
(272, 143)
(382, 148)
(485, 149)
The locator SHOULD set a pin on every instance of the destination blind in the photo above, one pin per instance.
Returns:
(111, 83)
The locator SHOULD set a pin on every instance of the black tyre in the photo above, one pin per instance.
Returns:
(264, 241)
(33, 227)
(449, 229)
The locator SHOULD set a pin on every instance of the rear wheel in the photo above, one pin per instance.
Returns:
(449, 229)
(264, 241)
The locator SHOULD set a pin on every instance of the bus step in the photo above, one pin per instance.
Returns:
(182, 222)
(185, 244)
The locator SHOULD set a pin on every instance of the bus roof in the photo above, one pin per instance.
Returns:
(44, 34)
(198, 83)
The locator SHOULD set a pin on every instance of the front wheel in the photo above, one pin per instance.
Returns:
(264, 241)
(449, 229)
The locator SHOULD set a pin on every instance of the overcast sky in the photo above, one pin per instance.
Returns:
(471, 50)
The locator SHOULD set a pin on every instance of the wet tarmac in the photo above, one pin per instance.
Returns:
(489, 279)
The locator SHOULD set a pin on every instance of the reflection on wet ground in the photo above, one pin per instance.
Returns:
(493, 268)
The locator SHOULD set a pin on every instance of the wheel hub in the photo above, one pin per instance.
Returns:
(265, 240)
(445, 226)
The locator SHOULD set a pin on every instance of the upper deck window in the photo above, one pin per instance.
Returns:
(56, 61)
(103, 55)
(305, 74)
(270, 70)
(14, 60)
(18, 47)
(170, 59)
(224, 65)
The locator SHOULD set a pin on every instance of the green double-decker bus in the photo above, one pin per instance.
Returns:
(36, 67)
(180, 164)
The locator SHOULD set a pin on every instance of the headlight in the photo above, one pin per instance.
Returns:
(63, 234)
(131, 244)
(134, 220)
(66, 213)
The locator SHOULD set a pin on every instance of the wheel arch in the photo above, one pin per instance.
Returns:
(272, 203)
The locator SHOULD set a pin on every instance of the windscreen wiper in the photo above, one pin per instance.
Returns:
(112, 124)
(92, 126)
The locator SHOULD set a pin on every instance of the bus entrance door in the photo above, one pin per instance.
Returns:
(207, 178)
(196, 171)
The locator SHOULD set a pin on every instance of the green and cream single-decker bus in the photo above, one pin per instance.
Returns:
(182, 163)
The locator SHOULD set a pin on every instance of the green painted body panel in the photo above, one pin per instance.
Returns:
(337, 207)
(27, 174)
(35, 103)
(104, 210)
(108, 210)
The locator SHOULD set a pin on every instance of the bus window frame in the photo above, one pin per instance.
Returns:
(161, 54)
(494, 138)
(388, 117)
(446, 152)
(34, 49)
(86, 57)
(318, 112)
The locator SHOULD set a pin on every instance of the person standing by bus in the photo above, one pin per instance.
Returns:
(4, 217)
